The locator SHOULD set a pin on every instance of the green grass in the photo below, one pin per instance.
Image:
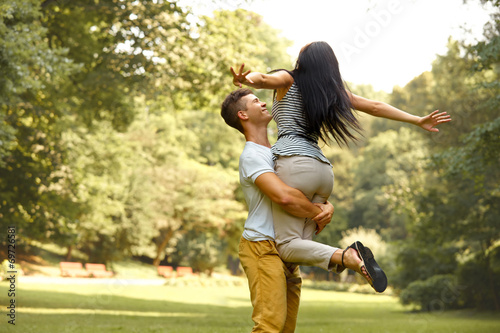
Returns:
(213, 307)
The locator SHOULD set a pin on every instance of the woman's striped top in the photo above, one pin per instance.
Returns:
(293, 138)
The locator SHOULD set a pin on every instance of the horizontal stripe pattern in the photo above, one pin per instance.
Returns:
(293, 139)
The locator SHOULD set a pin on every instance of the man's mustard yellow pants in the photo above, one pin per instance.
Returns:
(274, 287)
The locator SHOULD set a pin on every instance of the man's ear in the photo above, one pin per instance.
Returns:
(242, 115)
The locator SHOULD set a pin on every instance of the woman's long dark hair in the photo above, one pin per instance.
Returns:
(328, 109)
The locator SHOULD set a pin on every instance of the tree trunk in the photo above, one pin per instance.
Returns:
(161, 247)
(68, 254)
(492, 284)
(233, 264)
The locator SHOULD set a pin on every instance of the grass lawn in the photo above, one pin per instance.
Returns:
(124, 307)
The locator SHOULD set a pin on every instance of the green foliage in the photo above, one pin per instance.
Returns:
(476, 159)
(368, 237)
(386, 162)
(460, 90)
(213, 142)
(475, 165)
(437, 293)
(419, 261)
(112, 191)
(230, 38)
(473, 184)
(481, 290)
(90, 187)
(488, 51)
(28, 62)
(201, 250)
(111, 144)
(454, 207)
(7, 139)
(124, 48)
(32, 158)
(164, 195)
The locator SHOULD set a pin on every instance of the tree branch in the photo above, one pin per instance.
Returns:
(47, 3)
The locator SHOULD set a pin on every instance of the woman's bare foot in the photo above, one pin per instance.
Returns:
(352, 260)
(349, 258)
(361, 260)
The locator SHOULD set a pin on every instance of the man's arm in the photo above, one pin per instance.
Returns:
(290, 199)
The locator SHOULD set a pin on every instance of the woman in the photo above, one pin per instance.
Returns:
(311, 104)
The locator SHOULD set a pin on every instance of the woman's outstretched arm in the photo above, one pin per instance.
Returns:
(276, 80)
(384, 110)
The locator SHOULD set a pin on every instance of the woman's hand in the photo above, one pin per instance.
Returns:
(430, 121)
(241, 77)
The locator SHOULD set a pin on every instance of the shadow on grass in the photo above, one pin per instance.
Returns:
(61, 312)
(92, 309)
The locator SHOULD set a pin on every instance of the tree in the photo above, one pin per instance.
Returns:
(387, 160)
(473, 173)
(113, 193)
(124, 47)
(454, 229)
(187, 197)
(195, 198)
(211, 141)
(230, 38)
(32, 159)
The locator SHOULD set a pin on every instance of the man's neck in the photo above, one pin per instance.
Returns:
(258, 136)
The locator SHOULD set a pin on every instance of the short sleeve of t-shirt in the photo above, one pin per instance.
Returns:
(255, 162)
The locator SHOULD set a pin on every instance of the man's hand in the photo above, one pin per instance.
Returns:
(430, 121)
(239, 78)
(323, 218)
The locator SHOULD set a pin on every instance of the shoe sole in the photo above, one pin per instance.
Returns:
(379, 279)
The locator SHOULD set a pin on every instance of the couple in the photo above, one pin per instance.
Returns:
(311, 104)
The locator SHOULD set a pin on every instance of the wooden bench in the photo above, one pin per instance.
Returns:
(98, 270)
(184, 271)
(166, 271)
(72, 269)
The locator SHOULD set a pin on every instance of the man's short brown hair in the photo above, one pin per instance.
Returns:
(231, 105)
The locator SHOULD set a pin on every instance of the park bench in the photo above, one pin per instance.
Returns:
(166, 271)
(72, 269)
(184, 271)
(98, 270)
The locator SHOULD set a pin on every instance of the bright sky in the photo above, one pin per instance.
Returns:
(383, 43)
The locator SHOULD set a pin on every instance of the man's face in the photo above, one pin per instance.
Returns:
(256, 110)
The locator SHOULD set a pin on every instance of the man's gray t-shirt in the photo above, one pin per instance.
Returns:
(254, 161)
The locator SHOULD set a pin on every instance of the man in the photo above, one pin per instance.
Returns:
(274, 285)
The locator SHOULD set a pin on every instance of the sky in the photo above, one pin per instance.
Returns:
(383, 43)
